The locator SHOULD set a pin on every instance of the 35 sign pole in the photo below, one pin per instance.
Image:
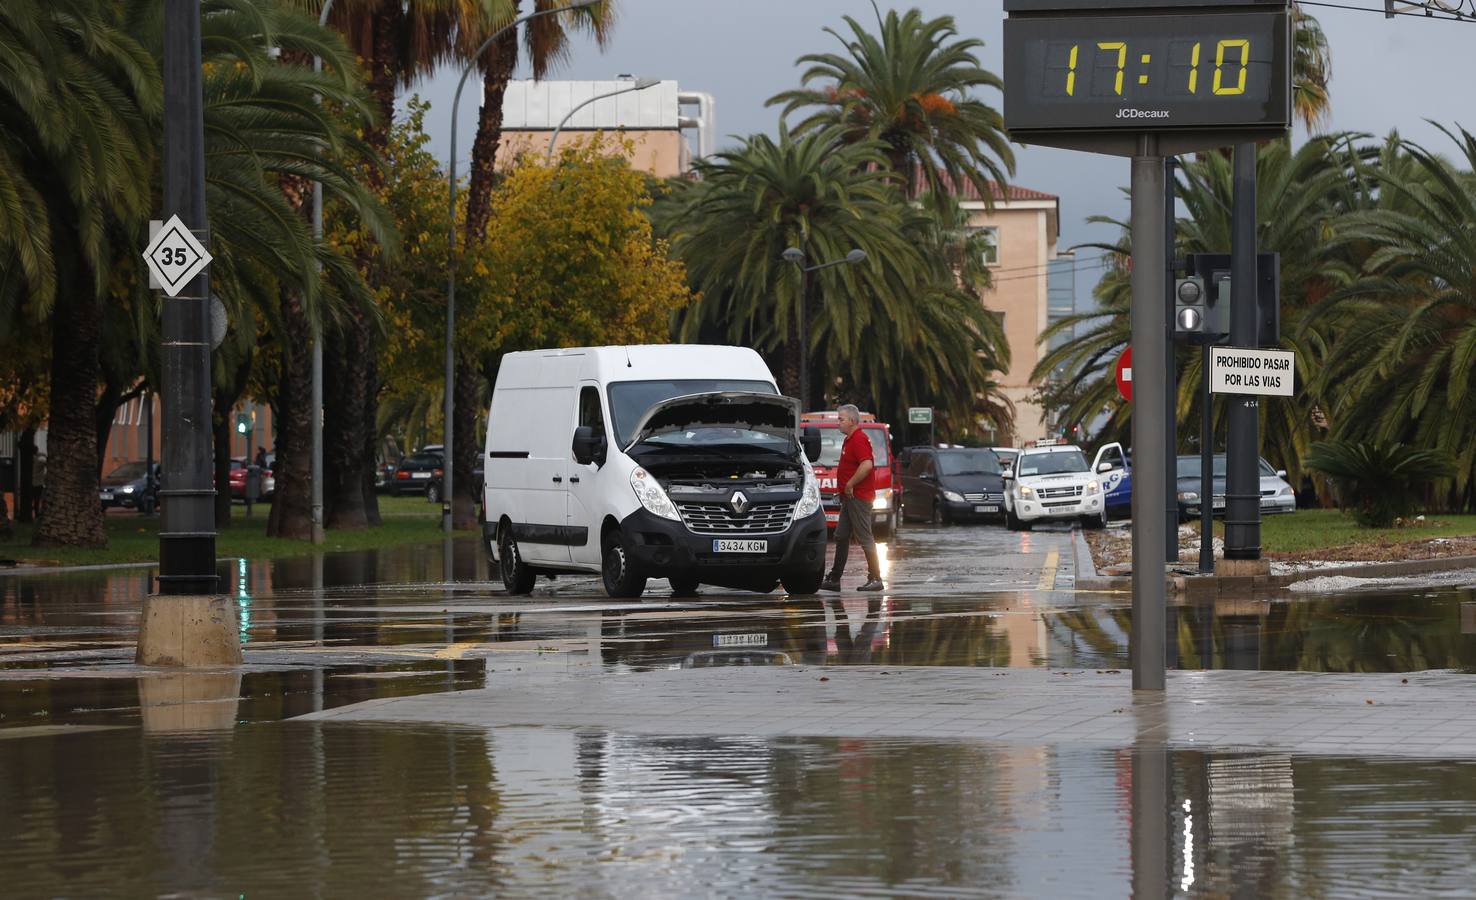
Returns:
(1148, 79)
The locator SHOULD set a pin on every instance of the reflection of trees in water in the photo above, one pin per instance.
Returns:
(1357, 633)
(284, 810)
(897, 812)
(971, 640)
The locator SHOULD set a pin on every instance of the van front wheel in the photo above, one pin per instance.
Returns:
(621, 579)
(517, 576)
(801, 584)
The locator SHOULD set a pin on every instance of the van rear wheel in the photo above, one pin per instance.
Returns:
(621, 579)
(517, 576)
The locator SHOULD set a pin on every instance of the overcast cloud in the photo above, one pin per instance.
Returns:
(1387, 74)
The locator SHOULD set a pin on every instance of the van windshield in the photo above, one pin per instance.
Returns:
(967, 462)
(631, 400)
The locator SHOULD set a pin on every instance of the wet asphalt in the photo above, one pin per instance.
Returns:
(117, 780)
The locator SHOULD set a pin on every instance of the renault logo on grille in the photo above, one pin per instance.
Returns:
(739, 502)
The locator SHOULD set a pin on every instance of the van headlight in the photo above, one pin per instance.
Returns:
(809, 500)
(883, 500)
(1093, 487)
(1025, 491)
(953, 497)
(651, 495)
(1189, 496)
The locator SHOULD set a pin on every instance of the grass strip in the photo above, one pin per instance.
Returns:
(135, 538)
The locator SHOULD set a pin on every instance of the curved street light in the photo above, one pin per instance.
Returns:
(640, 84)
(797, 256)
(448, 454)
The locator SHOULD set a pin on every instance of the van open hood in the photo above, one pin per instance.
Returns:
(766, 413)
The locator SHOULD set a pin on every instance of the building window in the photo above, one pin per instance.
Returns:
(989, 244)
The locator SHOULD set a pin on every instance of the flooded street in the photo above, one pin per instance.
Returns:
(121, 780)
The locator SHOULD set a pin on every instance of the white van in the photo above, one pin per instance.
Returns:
(677, 461)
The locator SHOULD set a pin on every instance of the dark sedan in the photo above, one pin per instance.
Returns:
(415, 473)
(952, 485)
(127, 486)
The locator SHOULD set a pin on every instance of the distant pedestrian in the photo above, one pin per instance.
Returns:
(38, 483)
(854, 479)
(261, 459)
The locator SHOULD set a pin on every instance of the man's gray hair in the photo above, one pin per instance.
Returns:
(849, 409)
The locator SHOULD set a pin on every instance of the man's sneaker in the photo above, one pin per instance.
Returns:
(875, 584)
(830, 584)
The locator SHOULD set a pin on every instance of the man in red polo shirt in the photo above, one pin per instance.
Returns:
(853, 477)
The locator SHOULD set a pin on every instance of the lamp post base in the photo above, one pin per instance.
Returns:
(188, 631)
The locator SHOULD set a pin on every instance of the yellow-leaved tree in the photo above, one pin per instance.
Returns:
(570, 260)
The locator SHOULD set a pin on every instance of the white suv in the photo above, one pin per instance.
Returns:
(1052, 484)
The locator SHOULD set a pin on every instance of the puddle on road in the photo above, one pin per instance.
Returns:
(308, 809)
(398, 598)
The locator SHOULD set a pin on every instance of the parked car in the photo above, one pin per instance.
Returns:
(1276, 495)
(952, 485)
(616, 461)
(433, 487)
(884, 509)
(1054, 483)
(128, 487)
(415, 472)
(241, 469)
(1006, 457)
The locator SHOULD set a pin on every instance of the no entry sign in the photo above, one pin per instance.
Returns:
(1124, 374)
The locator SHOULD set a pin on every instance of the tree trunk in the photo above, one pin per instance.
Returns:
(292, 504)
(346, 434)
(371, 451)
(467, 449)
(222, 429)
(349, 398)
(468, 444)
(73, 516)
(25, 471)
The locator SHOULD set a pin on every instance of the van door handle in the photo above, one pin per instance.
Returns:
(558, 478)
(574, 479)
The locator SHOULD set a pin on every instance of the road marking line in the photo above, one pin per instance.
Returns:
(1048, 572)
(456, 651)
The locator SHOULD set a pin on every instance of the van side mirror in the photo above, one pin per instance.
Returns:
(589, 448)
(810, 441)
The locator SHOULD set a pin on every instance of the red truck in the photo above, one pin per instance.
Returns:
(884, 508)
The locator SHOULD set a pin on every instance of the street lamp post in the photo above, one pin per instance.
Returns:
(449, 454)
(640, 84)
(317, 398)
(797, 256)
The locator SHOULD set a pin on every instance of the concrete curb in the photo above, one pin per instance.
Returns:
(1087, 578)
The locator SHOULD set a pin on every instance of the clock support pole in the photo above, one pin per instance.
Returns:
(1150, 388)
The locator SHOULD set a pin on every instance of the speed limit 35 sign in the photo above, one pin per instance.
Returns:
(175, 256)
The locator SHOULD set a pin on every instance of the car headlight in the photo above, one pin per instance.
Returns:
(883, 500)
(1189, 496)
(651, 495)
(1287, 491)
(809, 500)
(126, 489)
(1093, 487)
(1025, 491)
(953, 497)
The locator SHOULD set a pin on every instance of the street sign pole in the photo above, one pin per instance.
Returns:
(1243, 439)
(187, 533)
(1206, 466)
(1150, 368)
(187, 623)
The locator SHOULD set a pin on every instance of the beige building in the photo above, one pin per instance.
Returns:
(1024, 226)
(650, 118)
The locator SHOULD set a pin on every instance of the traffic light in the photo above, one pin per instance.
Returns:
(243, 423)
(1191, 307)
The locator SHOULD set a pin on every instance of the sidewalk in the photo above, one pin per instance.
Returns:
(1428, 714)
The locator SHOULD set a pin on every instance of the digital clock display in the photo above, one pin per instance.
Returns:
(1147, 73)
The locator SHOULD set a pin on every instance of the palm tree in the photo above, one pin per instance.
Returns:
(1301, 194)
(76, 97)
(894, 329)
(1406, 327)
(1311, 70)
(911, 86)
